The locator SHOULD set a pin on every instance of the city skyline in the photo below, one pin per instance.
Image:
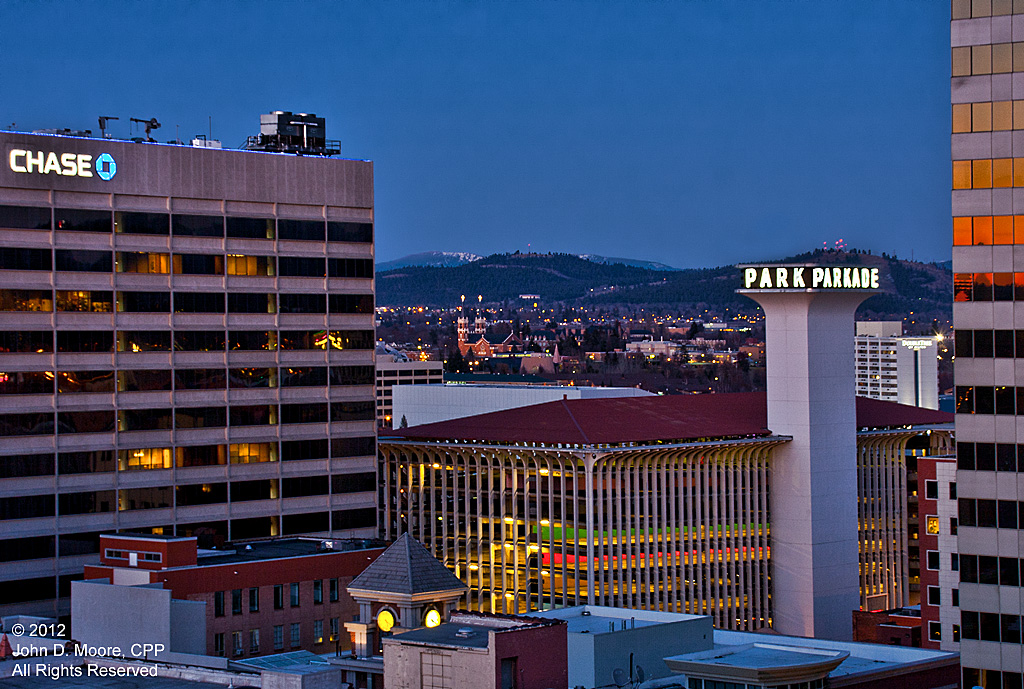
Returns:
(611, 129)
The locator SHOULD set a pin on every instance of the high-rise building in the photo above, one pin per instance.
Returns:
(894, 368)
(988, 182)
(186, 347)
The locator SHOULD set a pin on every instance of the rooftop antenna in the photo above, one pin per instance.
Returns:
(150, 125)
(103, 124)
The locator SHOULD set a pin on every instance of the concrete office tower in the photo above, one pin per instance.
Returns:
(186, 341)
(894, 368)
(813, 491)
(988, 277)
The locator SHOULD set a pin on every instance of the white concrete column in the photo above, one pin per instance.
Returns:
(813, 484)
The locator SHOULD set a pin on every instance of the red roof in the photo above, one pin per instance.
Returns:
(645, 419)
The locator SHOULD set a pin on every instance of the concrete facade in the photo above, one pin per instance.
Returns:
(810, 378)
(119, 410)
(106, 614)
(987, 255)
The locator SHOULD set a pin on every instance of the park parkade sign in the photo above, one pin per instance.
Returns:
(809, 277)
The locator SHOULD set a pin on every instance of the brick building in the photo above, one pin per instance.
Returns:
(482, 651)
(262, 597)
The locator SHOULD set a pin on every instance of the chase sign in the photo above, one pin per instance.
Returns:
(63, 164)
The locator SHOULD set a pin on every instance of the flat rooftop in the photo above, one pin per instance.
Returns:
(764, 656)
(759, 662)
(277, 549)
(596, 619)
(447, 634)
(864, 657)
(472, 630)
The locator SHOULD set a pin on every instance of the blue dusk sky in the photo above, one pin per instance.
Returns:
(690, 132)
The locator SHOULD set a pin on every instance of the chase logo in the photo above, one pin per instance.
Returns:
(106, 168)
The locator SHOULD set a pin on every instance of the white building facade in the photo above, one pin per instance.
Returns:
(420, 404)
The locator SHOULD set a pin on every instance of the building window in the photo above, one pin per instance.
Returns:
(39, 300)
(435, 671)
(72, 260)
(933, 559)
(931, 490)
(954, 562)
(335, 625)
(197, 264)
(236, 602)
(142, 262)
(295, 595)
(295, 635)
(254, 600)
(250, 265)
(952, 491)
(956, 633)
(935, 631)
(197, 225)
(934, 595)
(218, 645)
(279, 597)
(218, 604)
(956, 598)
(252, 453)
(318, 631)
(334, 590)
(952, 526)
(254, 641)
(318, 592)
(236, 643)
(278, 637)
(932, 526)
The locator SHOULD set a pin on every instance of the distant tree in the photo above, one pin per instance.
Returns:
(404, 423)
(455, 363)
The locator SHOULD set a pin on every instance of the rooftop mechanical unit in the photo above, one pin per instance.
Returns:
(299, 133)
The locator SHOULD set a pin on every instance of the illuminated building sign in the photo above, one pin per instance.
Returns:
(809, 277)
(106, 167)
(64, 164)
(917, 344)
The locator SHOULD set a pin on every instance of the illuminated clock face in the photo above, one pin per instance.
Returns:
(432, 619)
(385, 621)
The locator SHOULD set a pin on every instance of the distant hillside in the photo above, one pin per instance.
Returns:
(448, 259)
(437, 259)
(556, 277)
(923, 288)
(609, 260)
